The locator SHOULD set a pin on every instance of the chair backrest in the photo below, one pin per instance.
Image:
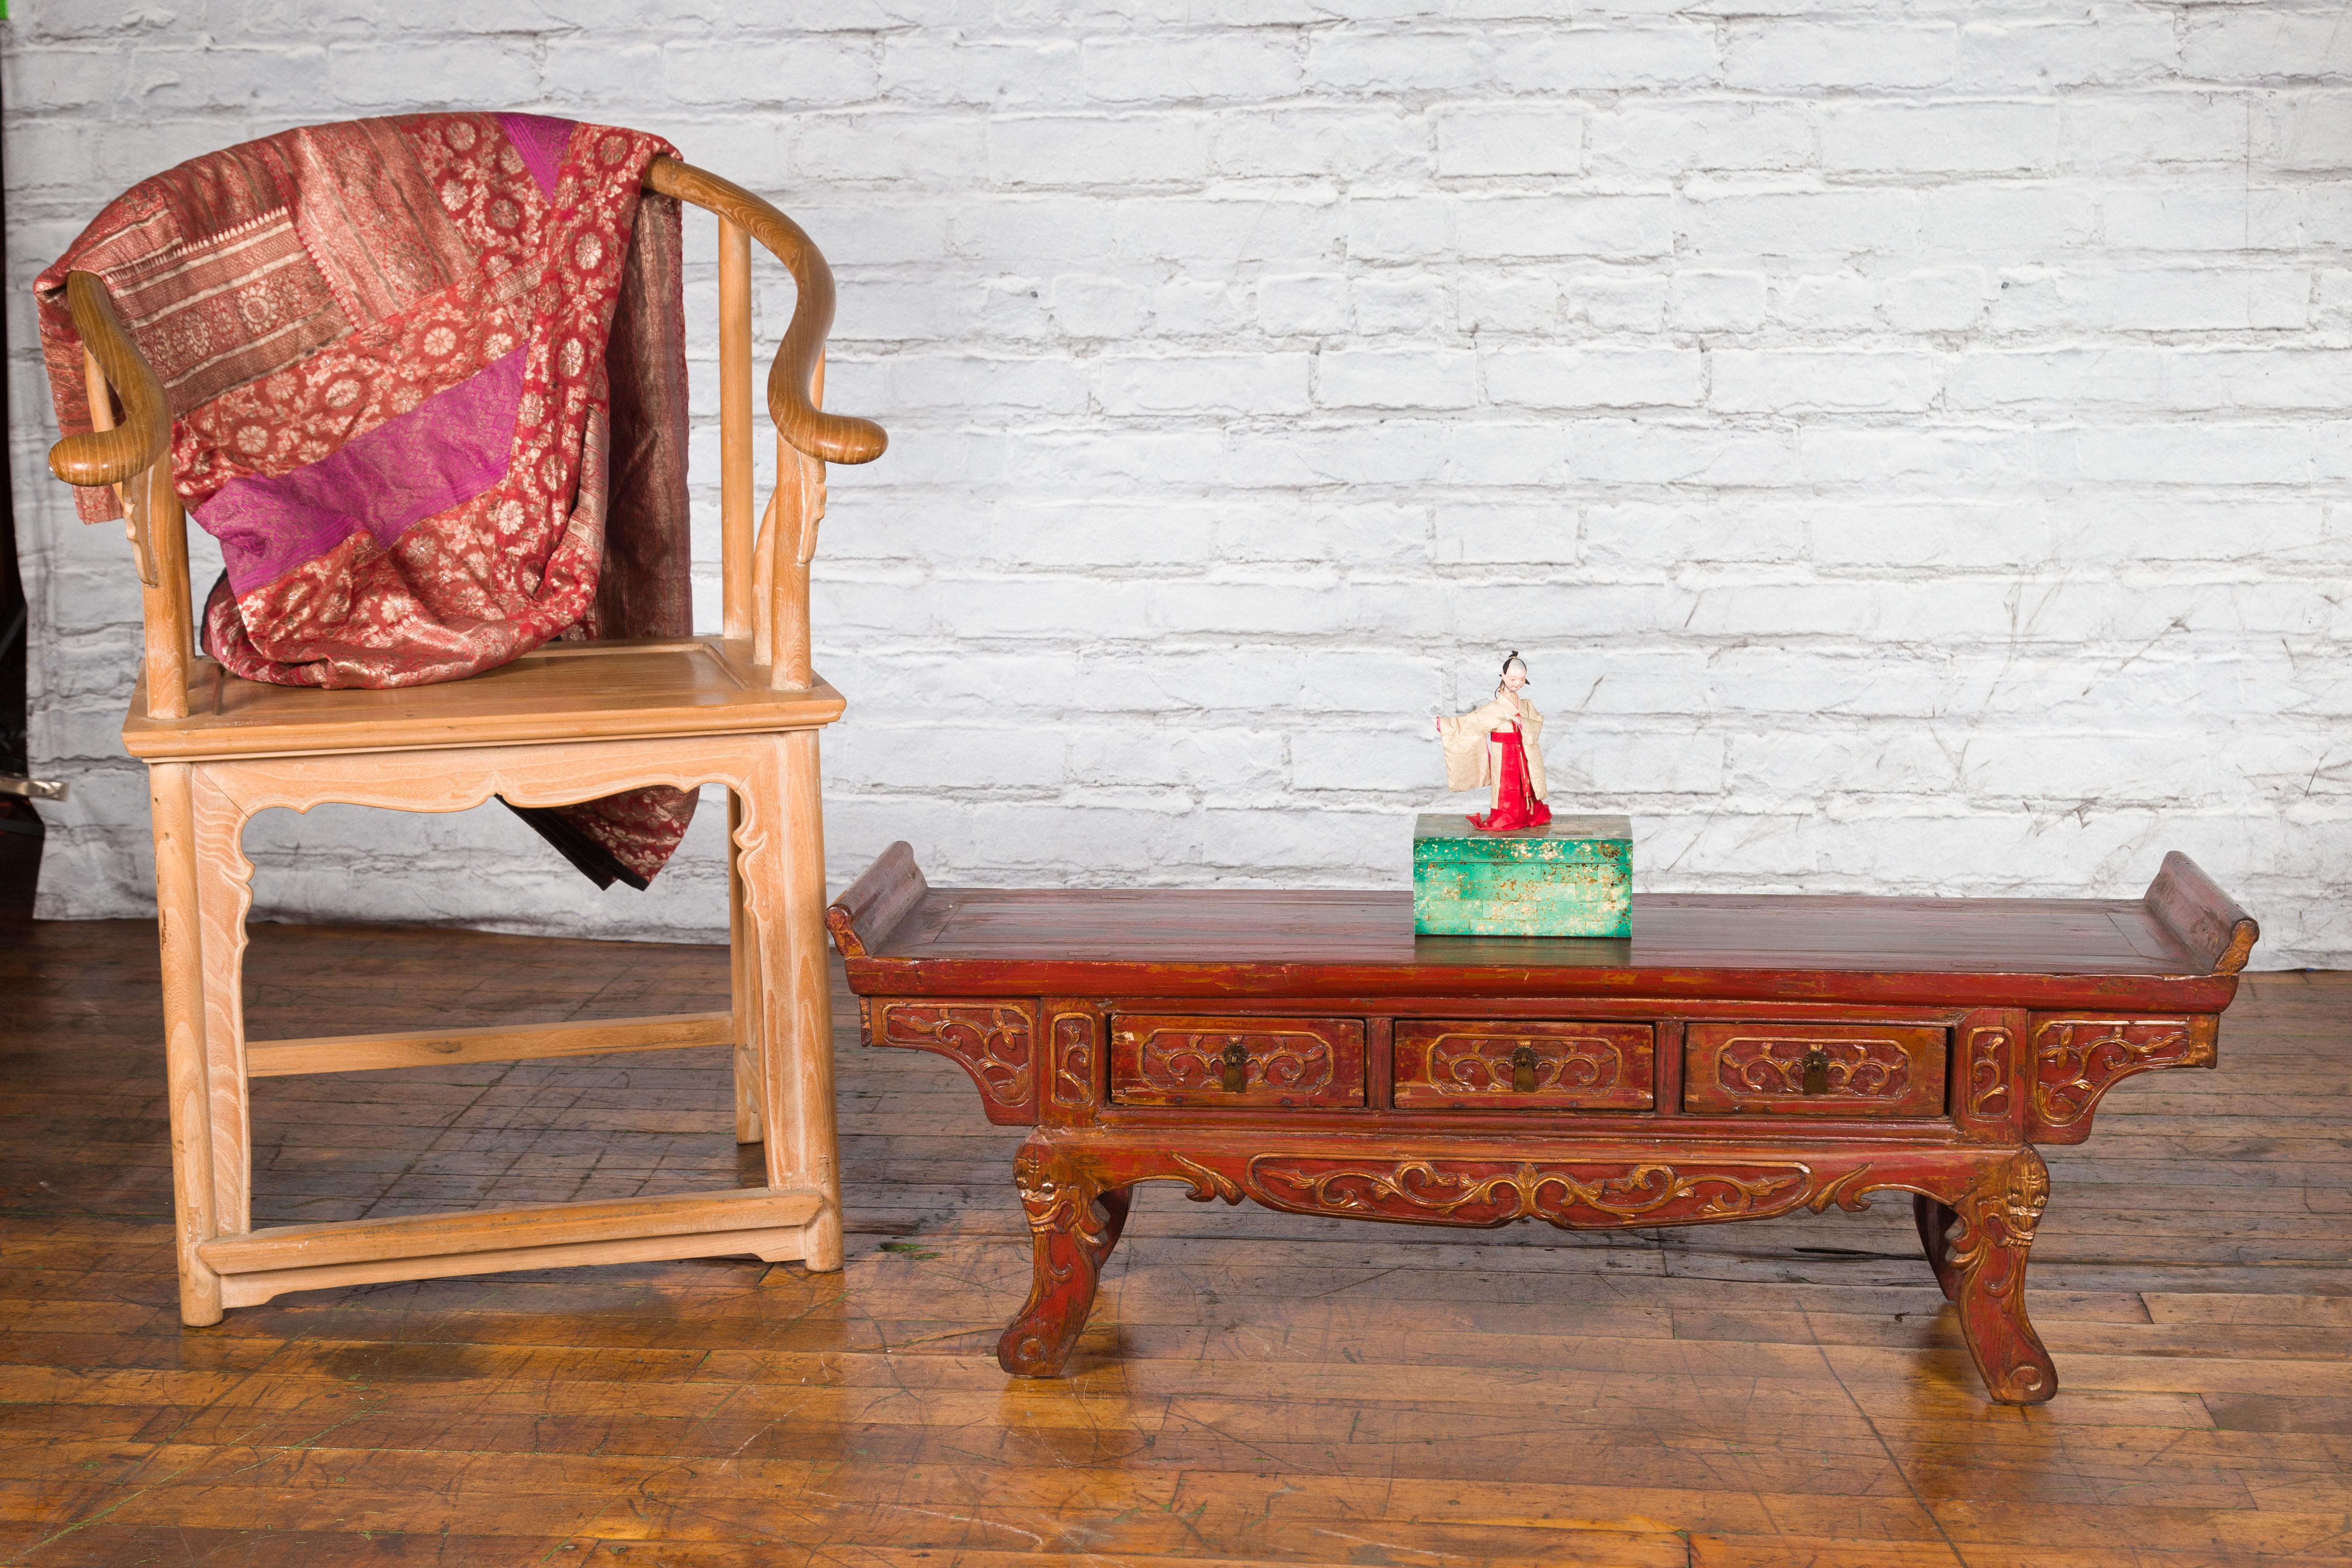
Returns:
(764, 570)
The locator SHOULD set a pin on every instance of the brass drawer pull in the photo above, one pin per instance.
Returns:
(1236, 1068)
(1523, 1069)
(1817, 1071)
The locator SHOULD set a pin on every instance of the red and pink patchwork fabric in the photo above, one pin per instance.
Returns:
(428, 384)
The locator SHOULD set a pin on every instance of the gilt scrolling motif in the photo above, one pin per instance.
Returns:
(2076, 1060)
(1467, 1064)
(1494, 1065)
(1290, 1061)
(1824, 1069)
(1074, 1058)
(994, 1043)
(1496, 1192)
(1860, 1070)
(1178, 1059)
(1989, 1073)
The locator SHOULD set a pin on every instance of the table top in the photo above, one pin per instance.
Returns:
(1230, 942)
(1671, 931)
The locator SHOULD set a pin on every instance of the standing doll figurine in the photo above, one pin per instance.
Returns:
(1495, 745)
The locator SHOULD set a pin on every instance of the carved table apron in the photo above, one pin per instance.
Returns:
(1740, 1057)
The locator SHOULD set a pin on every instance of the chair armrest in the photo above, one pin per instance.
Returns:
(109, 456)
(791, 378)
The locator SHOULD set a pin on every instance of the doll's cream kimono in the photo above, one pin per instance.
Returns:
(1496, 746)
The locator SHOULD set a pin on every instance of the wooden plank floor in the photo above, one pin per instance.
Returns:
(1285, 1389)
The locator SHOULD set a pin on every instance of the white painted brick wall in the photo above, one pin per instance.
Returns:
(1913, 443)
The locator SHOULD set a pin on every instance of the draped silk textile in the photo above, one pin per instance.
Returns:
(427, 378)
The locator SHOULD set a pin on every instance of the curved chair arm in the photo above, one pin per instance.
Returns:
(109, 456)
(791, 378)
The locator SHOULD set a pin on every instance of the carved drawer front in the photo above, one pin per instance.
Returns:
(1505, 1065)
(1815, 1070)
(1166, 1059)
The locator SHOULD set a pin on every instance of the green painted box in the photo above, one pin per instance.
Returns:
(1572, 877)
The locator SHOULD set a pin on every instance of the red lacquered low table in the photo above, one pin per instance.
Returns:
(1740, 1057)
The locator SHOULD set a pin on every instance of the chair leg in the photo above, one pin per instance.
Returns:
(178, 927)
(224, 898)
(744, 968)
(785, 873)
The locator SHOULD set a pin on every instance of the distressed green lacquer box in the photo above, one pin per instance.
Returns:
(1572, 877)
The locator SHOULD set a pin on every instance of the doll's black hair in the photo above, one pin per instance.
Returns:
(1511, 658)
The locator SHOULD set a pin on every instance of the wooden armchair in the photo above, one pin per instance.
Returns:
(567, 723)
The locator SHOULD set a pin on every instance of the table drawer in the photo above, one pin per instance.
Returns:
(1211, 1060)
(1513, 1065)
(1815, 1070)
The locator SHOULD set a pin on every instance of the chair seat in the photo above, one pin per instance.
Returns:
(626, 687)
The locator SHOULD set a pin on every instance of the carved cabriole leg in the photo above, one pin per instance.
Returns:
(224, 898)
(1074, 1194)
(783, 873)
(1998, 1217)
(1935, 1222)
(743, 969)
(179, 925)
(1073, 1225)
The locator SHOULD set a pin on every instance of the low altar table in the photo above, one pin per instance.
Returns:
(1739, 1058)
